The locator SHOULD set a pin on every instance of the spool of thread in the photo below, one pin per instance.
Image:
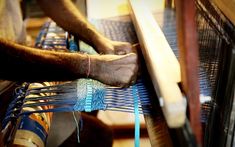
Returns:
(33, 129)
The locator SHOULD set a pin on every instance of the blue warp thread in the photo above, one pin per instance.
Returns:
(137, 119)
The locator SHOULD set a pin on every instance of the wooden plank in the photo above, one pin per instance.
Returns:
(188, 55)
(227, 7)
(161, 62)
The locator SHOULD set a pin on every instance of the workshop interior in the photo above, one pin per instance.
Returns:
(183, 95)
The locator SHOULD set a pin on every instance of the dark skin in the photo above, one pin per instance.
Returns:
(19, 62)
(66, 15)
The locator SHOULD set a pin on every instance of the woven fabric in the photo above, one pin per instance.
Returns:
(97, 94)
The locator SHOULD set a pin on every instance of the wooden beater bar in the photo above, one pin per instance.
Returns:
(161, 62)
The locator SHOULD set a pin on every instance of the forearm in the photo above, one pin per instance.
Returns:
(19, 62)
(66, 15)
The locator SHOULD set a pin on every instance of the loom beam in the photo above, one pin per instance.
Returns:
(162, 64)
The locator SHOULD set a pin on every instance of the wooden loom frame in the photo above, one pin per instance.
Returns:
(159, 56)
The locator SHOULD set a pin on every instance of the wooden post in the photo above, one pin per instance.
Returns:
(188, 49)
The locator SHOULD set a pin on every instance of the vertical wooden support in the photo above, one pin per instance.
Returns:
(188, 48)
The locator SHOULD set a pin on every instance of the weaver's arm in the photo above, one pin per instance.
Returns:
(19, 62)
(66, 15)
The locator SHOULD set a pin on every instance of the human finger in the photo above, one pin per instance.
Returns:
(122, 48)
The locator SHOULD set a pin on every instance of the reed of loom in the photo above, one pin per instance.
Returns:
(219, 37)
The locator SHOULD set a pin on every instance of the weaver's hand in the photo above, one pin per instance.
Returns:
(117, 70)
(107, 46)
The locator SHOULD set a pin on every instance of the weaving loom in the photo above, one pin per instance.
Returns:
(216, 79)
(215, 33)
(102, 97)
